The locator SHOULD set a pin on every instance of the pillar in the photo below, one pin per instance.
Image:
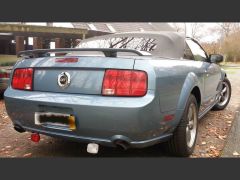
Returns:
(19, 43)
(37, 43)
(59, 43)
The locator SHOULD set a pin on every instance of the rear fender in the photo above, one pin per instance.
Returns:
(223, 76)
(190, 82)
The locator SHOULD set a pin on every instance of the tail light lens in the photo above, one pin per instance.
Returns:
(124, 83)
(22, 79)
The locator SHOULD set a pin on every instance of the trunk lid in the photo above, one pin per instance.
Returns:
(86, 74)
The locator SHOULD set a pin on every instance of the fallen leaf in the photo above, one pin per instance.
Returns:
(212, 147)
(222, 137)
(235, 153)
(27, 155)
(203, 143)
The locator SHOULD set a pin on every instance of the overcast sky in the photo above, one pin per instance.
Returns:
(205, 30)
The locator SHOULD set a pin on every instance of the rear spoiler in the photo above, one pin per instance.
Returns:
(108, 52)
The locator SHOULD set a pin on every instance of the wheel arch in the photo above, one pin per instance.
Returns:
(196, 92)
(223, 74)
(190, 86)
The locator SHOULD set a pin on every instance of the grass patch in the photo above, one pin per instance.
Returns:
(8, 60)
(231, 69)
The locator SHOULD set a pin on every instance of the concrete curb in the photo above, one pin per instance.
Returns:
(233, 140)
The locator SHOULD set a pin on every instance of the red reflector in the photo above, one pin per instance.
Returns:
(168, 117)
(35, 137)
(66, 60)
(124, 83)
(22, 79)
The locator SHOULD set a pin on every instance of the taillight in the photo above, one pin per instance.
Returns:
(124, 83)
(22, 79)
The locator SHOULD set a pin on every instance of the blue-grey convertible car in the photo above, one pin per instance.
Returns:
(129, 90)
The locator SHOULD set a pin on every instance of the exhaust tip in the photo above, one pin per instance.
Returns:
(122, 144)
(19, 128)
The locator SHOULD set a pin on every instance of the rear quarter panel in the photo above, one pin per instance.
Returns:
(173, 81)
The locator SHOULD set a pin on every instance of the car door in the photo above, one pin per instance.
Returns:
(212, 72)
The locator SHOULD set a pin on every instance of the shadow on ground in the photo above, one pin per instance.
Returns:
(63, 148)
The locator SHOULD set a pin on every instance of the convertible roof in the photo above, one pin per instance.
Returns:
(169, 44)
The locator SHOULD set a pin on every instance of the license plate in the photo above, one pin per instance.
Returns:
(55, 119)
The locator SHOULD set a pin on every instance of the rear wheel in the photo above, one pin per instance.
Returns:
(225, 95)
(184, 138)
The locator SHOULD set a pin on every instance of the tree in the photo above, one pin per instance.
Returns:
(231, 46)
(195, 30)
(225, 28)
(211, 47)
(179, 27)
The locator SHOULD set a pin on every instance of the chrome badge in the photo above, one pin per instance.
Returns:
(64, 79)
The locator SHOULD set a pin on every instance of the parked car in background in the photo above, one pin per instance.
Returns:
(4, 78)
(131, 90)
(6, 63)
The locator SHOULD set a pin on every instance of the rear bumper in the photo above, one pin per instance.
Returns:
(105, 142)
(103, 120)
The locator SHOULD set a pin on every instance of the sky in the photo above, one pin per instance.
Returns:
(205, 30)
(207, 35)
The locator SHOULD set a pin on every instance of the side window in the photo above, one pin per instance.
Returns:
(188, 53)
(197, 51)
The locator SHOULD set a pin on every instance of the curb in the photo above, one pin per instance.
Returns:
(232, 143)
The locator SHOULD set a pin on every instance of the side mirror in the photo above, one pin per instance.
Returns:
(215, 58)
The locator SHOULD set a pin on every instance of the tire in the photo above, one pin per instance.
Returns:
(225, 96)
(178, 145)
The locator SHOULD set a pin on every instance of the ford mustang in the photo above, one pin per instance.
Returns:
(129, 90)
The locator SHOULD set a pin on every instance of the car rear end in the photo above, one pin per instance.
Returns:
(99, 99)
(110, 99)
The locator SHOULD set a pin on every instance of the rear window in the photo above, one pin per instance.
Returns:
(137, 43)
